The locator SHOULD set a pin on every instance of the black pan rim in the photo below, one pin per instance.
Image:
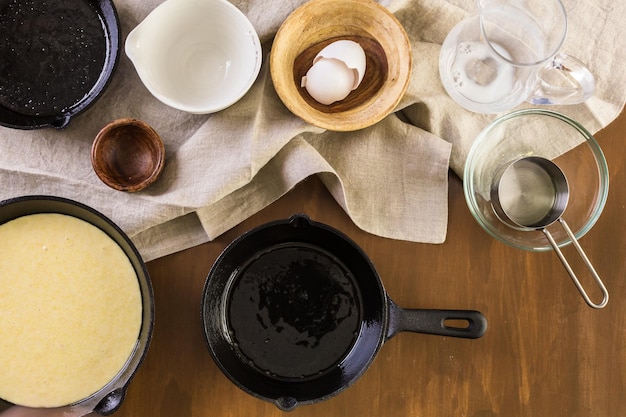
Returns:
(286, 394)
(144, 339)
(106, 10)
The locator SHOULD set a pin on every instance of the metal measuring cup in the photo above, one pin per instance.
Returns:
(532, 193)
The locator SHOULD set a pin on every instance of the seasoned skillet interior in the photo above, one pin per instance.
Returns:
(293, 311)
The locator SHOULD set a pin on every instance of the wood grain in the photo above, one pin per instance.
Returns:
(546, 353)
(128, 155)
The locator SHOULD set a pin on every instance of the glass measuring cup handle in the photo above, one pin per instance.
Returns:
(571, 273)
(563, 80)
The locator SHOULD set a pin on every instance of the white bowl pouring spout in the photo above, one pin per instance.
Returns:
(198, 57)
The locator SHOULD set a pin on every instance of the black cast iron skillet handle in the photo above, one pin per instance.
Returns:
(434, 322)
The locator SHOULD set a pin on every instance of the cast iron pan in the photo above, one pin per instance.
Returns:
(294, 312)
(110, 397)
(56, 58)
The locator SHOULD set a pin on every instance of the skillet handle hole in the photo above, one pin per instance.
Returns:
(461, 324)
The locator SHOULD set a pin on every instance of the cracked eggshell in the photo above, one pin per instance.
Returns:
(350, 52)
(329, 80)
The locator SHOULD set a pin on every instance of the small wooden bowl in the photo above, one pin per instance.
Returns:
(316, 24)
(128, 155)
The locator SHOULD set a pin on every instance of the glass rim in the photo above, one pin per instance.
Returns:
(555, 50)
(470, 166)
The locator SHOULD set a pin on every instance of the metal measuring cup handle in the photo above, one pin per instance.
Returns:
(539, 177)
(570, 271)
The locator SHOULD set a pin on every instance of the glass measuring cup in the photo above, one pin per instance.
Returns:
(509, 53)
(532, 193)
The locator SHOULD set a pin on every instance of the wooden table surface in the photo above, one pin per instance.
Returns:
(546, 353)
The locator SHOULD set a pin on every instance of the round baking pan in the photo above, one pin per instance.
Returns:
(109, 398)
(56, 59)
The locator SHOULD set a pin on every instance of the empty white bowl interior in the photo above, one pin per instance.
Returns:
(196, 56)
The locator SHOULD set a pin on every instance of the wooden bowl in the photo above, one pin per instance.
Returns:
(316, 24)
(128, 155)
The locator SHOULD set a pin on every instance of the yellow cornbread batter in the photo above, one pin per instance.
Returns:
(70, 310)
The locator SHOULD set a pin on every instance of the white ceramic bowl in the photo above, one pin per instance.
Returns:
(196, 56)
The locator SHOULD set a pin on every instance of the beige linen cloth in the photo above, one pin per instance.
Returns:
(391, 178)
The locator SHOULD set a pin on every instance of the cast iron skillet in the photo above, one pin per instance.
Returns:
(294, 312)
(56, 58)
(109, 398)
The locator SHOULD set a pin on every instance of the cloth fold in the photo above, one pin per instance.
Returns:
(391, 178)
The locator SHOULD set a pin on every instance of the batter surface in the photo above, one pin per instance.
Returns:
(70, 308)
